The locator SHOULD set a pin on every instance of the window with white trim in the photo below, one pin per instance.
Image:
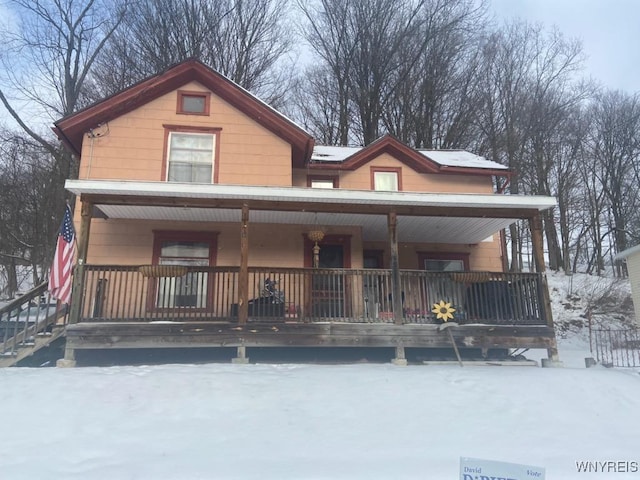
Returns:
(190, 157)
(322, 183)
(385, 181)
(196, 252)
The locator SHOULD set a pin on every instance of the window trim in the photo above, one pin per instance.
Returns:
(396, 170)
(159, 236)
(215, 131)
(464, 257)
(188, 93)
(333, 178)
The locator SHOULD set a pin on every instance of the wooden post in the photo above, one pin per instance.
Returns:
(243, 276)
(535, 225)
(392, 222)
(77, 291)
(77, 287)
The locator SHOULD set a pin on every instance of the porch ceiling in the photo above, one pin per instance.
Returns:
(374, 227)
(422, 217)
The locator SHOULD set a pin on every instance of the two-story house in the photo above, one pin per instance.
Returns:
(205, 218)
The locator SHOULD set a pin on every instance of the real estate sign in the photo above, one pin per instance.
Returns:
(477, 469)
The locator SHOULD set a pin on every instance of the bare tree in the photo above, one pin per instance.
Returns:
(531, 87)
(569, 144)
(245, 40)
(47, 57)
(615, 145)
(506, 61)
(47, 60)
(435, 103)
(327, 33)
(28, 181)
(365, 44)
(315, 101)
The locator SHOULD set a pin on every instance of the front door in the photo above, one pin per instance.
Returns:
(372, 283)
(328, 288)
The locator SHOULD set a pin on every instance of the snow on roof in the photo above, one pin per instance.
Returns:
(449, 158)
(325, 153)
(259, 100)
(461, 158)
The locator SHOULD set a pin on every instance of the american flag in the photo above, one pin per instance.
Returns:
(60, 275)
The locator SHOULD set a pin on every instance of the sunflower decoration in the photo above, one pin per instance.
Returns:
(443, 310)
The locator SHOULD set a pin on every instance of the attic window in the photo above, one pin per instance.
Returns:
(386, 179)
(193, 103)
(314, 181)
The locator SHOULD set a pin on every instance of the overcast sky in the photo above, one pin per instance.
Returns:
(609, 30)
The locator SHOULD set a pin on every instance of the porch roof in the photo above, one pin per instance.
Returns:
(426, 217)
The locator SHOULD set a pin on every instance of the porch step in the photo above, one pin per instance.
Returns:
(25, 350)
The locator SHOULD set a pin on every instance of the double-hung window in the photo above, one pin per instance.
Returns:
(190, 157)
(196, 253)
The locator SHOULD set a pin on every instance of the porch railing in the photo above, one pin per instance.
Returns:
(176, 293)
(25, 317)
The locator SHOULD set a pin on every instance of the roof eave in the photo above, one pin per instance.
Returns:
(412, 203)
(74, 126)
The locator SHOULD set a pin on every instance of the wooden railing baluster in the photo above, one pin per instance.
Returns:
(123, 293)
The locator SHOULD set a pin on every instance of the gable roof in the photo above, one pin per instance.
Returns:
(72, 128)
(422, 161)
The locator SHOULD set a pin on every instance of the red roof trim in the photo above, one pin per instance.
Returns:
(71, 129)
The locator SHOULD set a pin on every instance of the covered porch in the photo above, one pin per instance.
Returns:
(242, 305)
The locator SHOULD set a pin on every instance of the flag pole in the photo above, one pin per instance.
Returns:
(62, 263)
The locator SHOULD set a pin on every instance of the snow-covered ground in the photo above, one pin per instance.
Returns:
(362, 421)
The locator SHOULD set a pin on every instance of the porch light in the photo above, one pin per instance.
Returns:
(316, 235)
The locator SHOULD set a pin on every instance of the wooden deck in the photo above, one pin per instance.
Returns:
(138, 307)
(163, 334)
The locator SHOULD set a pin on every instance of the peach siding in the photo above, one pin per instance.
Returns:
(485, 256)
(131, 147)
(130, 242)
